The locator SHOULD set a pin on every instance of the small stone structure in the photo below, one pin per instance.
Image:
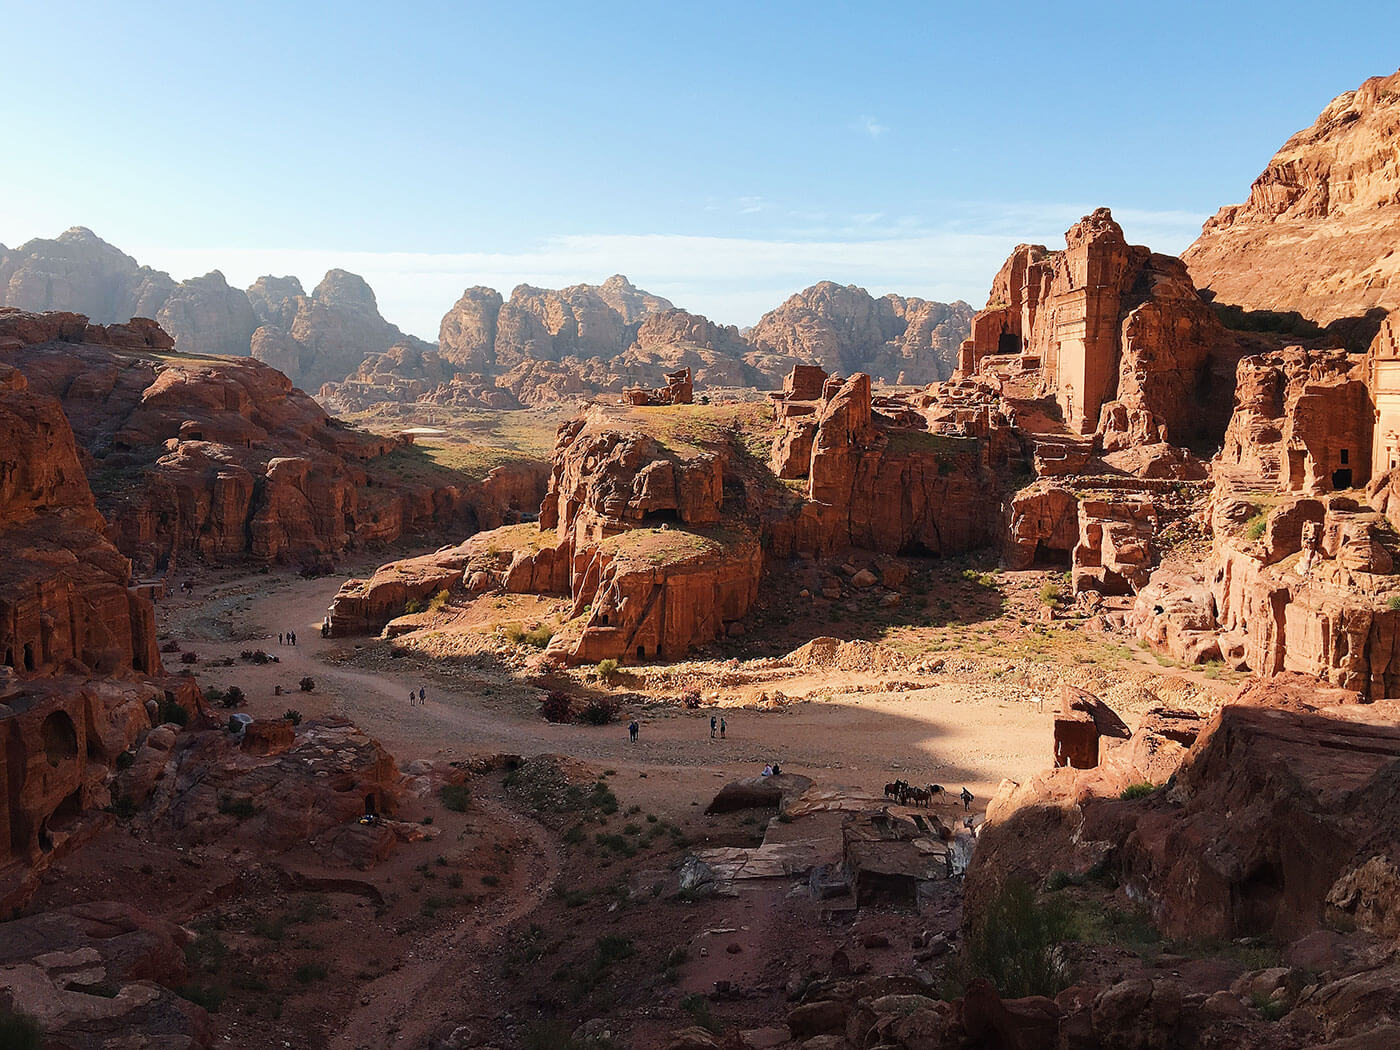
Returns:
(679, 390)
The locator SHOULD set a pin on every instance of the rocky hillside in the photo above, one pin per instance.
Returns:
(846, 330)
(218, 457)
(1318, 232)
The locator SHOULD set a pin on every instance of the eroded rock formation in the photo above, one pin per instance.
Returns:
(845, 329)
(1318, 232)
(1117, 333)
(224, 457)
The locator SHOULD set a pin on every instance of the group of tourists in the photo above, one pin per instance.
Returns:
(287, 638)
(419, 698)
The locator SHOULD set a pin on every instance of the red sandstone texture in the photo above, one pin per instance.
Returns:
(1119, 336)
(1318, 232)
(224, 457)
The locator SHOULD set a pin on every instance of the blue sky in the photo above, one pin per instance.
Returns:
(722, 154)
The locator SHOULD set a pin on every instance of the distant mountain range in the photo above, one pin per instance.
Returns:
(538, 345)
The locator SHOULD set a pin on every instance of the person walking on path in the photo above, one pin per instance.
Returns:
(632, 730)
(422, 695)
(721, 728)
(412, 698)
(966, 799)
(713, 723)
(279, 639)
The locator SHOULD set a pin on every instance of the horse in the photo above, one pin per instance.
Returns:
(935, 789)
(915, 796)
(895, 790)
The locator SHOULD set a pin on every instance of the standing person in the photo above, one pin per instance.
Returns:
(721, 728)
(713, 723)
(422, 695)
(632, 730)
(279, 637)
(412, 698)
(294, 638)
(966, 797)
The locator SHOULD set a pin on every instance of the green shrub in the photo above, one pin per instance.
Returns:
(540, 636)
(307, 684)
(241, 808)
(1050, 593)
(439, 600)
(1393, 603)
(456, 797)
(514, 633)
(606, 669)
(19, 1031)
(172, 712)
(699, 1010)
(1254, 528)
(1013, 943)
(292, 715)
(1140, 790)
(413, 605)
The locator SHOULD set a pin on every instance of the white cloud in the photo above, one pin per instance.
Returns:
(870, 126)
(729, 279)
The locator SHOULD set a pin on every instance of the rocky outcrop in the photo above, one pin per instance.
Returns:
(305, 786)
(332, 330)
(101, 974)
(1317, 233)
(1269, 809)
(1305, 588)
(629, 529)
(1302, 420)
(224, 457)
(81, 273)
(877, 482)
(66, 597)
(1115, 333)
(205, 316)
(401, 374)
(845, 330)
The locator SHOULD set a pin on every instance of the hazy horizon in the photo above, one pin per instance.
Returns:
(723, 157)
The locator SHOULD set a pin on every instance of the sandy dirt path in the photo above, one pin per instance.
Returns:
(430, 989)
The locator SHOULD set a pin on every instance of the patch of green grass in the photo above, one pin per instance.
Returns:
(1139, 790)
(1255, 526)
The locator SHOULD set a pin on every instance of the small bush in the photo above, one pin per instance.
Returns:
(230, 697)
(606, 669)
(439, 600)
(540, 636)
(556, 707)
(19, 1031)
(1394, 603)
(413, 605)
(211, 997)
(172, 712)
(1140, 790)
(307, 684)
(1050, 593)
(455, 797)
(241, 808)
(292, 715)
(189, 658)
(599, 711)
(514, 633)
(1254, 528)
(699, 1010)
(1013, 944)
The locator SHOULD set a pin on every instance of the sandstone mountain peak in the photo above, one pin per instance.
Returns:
(1318, 231)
